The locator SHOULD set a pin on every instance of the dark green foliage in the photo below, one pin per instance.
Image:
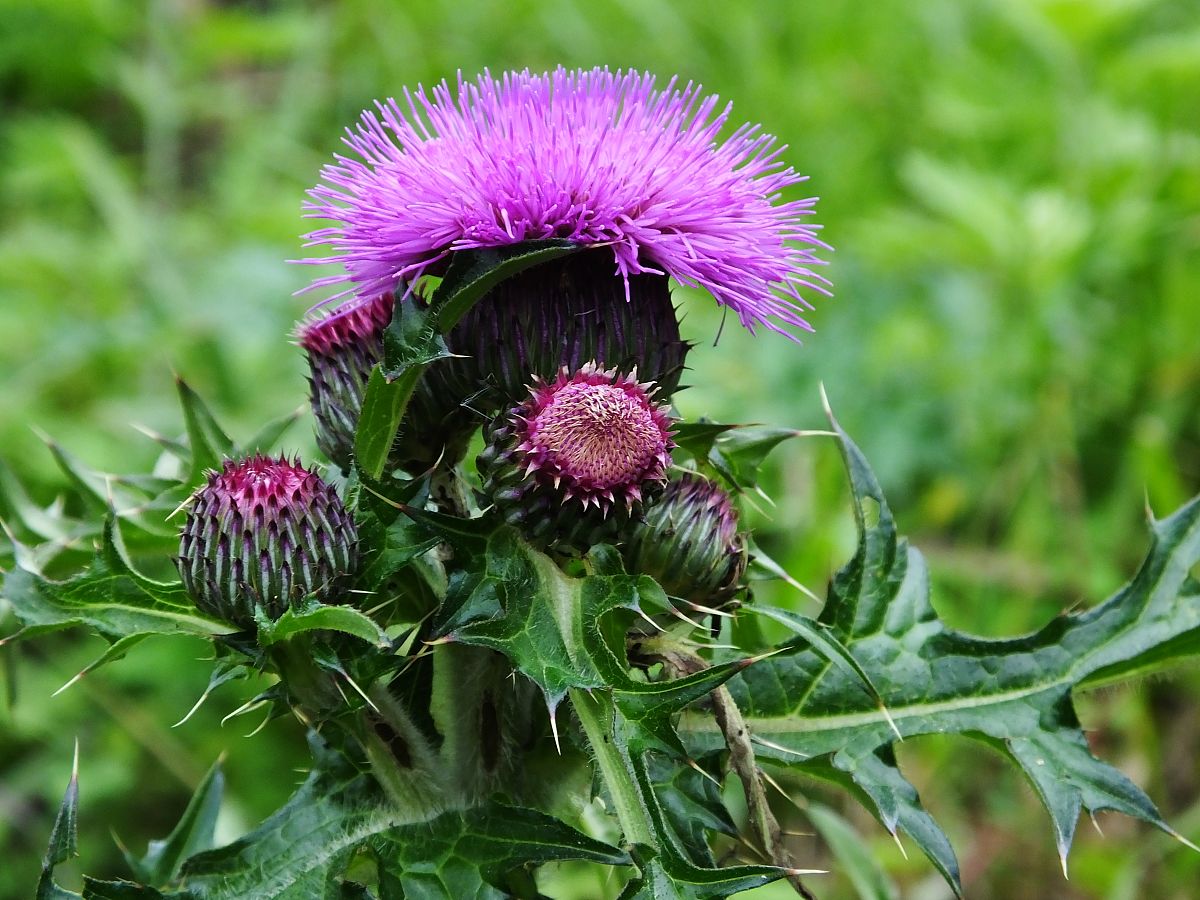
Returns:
(431, 756)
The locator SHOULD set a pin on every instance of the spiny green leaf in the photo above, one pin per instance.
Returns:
(743, 450)
(109, 596)
(302, 844)
(63, 838)
(383, 408)
(697, 438)
(316, 616)
(806, 712)
(208, 442)
(692, 806)
(553, 629)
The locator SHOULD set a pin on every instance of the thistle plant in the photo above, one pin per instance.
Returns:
(512, 663)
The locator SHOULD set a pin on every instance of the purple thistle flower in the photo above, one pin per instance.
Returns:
(596, 436)
(596, 157)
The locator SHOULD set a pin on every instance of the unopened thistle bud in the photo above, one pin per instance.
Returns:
(570, 464)
(342, 348)
(688, 541)
(265, 533)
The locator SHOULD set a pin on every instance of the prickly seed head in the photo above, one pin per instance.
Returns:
(688, 541)
(265, 532)
(596, 436)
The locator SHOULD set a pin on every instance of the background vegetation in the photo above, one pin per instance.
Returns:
(1013, 188)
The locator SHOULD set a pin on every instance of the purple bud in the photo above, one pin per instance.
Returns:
(265, 532)
(342, 348)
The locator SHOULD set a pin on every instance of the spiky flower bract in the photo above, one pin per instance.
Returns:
(597, 157)
(581, 447)
(265, 533)
(688, 541)
(563, 313)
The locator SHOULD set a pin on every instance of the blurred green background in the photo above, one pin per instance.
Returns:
(1013, 189)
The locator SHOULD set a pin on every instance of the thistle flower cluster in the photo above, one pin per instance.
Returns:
(595, 157)
(567, 367)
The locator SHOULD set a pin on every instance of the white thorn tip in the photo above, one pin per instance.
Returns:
(554, 731)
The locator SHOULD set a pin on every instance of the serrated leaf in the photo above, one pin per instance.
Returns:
(743, 450)
(412, 339)
(383, 408)
(692, 805)
(551, 626)
(805, 712)
(468, 854)
(109, 596)
(567, 634)
(303, 844)
(63, 842)
(193, 833)
(207, 441)
(49, 524)
(698, 438)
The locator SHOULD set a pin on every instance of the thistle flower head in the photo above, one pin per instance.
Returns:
(350, 326)
(595, 435)
(264, 532)
(595, 157)
(342, 348)
(688, 541)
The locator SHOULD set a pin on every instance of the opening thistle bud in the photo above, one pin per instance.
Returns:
(570, 463)
(265, 533)
(342, 348)
(688, 541)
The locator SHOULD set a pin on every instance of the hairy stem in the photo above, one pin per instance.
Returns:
(598, 717)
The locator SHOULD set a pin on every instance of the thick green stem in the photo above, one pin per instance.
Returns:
(598, 718)
(311, 689)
